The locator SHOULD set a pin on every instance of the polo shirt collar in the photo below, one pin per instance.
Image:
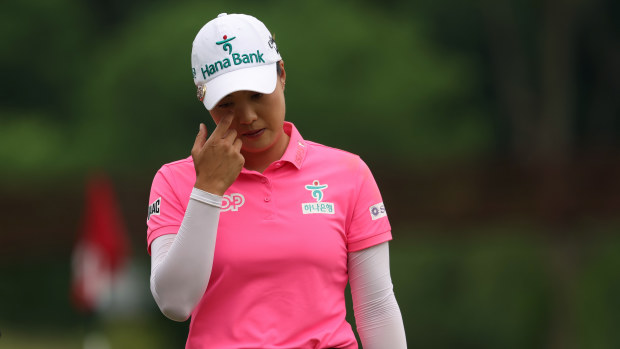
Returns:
(296, 150)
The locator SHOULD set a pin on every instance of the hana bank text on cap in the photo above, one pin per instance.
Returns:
(233, 52)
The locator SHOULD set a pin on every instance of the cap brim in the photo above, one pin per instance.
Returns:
(260, 78)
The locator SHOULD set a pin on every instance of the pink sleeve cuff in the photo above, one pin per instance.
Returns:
(368, 242)
(159, 232)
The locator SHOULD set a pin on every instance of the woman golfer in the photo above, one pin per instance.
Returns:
(256, 235)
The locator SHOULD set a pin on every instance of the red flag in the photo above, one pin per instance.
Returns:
(102, 247)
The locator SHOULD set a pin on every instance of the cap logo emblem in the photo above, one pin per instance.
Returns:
(272, 43)
(201, 92)
(226, 46)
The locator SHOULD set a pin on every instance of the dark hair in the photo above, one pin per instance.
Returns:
(278, 68)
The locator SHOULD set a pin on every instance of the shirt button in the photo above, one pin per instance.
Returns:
(267, 199)
(279, 164)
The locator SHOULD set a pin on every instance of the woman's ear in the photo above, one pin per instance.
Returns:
(282, 76)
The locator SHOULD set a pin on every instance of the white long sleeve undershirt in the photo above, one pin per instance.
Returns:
(377, 315)
(181, 263)
(181, 266)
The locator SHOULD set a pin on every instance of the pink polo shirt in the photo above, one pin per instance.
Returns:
(280, 264)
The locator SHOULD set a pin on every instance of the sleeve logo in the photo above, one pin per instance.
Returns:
(153, 209)
(377, 211)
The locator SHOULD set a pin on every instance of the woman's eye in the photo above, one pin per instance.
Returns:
(224, 105)
(257, 95)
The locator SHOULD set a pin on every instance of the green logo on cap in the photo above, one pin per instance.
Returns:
(226, 42)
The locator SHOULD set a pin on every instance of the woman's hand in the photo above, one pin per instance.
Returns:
(217, 159)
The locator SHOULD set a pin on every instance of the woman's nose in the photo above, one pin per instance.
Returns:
(246, 114)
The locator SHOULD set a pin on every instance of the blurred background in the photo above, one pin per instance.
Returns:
(492, 129)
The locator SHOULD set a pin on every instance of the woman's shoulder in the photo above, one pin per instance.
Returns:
(177, 166)
(326, 156)
(331, 152)
(179, 175)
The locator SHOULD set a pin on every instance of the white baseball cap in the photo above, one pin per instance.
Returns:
(233, 52)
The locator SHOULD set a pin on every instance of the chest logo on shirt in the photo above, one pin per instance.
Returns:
(316, 190)
(232, 202)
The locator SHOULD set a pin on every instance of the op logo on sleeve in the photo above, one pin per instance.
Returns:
(316, 190)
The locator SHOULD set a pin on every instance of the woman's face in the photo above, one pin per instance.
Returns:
(257, 117)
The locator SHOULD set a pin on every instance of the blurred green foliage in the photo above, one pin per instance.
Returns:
(596, 293)
(106, 84)
(358, 78)
(489, 292)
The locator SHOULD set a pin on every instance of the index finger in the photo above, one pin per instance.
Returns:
(222, 127)
(201, 137)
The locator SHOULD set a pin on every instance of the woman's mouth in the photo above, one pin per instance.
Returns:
(254, 134)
